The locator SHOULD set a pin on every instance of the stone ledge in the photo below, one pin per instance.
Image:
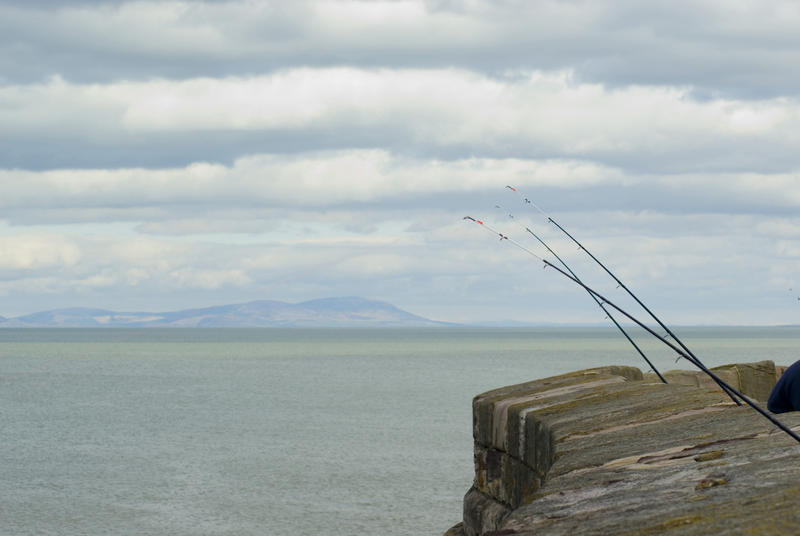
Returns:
(751, 379)
(609, 450)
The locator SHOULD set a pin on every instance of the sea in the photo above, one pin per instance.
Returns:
(277, 431)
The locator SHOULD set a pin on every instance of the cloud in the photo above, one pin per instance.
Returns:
(747, 50)
(359, 191)
(537, 115)
(322, 179)
(33, 252)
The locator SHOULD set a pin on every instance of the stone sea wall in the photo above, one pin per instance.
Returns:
(614, 451)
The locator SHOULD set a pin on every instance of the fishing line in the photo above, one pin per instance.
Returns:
(600, 303)
(730, 390)
(616, 279)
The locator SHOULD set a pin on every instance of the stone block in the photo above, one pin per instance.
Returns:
(482, 514)
(757, 379)
(611, 451)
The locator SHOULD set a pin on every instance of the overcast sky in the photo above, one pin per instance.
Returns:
(164, 155)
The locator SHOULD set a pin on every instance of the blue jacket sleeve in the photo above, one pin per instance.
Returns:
(785, 396)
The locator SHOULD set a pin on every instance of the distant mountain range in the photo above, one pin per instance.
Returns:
(329, 312)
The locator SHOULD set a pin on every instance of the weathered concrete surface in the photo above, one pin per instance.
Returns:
(610, 451)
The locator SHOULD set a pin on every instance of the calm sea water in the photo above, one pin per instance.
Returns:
(275, 431)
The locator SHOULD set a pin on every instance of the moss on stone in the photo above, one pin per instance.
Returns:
(708, 456)
(669, 524)
(711, 482)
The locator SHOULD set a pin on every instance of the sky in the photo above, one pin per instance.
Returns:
(166, 155)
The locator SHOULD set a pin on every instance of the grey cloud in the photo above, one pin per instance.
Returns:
(63, 149)
(235, 203)
(750, 53)
(73, 150)
(441, 114)
(653, 195)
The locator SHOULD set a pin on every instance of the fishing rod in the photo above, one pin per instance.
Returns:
(602, 306)
(652, 332)
(527, 201)
(599, 303)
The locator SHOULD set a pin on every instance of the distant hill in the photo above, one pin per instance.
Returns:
(329, 312)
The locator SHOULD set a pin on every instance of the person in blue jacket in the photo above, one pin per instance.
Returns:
(785, 396)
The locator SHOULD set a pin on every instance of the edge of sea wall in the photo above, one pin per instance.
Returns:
(614, 451)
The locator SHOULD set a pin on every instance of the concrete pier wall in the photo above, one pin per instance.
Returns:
(612, 450)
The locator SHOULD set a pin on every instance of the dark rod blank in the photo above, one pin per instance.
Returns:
(643, 306)
(602, 306)
(727, 388)
(681, 352)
